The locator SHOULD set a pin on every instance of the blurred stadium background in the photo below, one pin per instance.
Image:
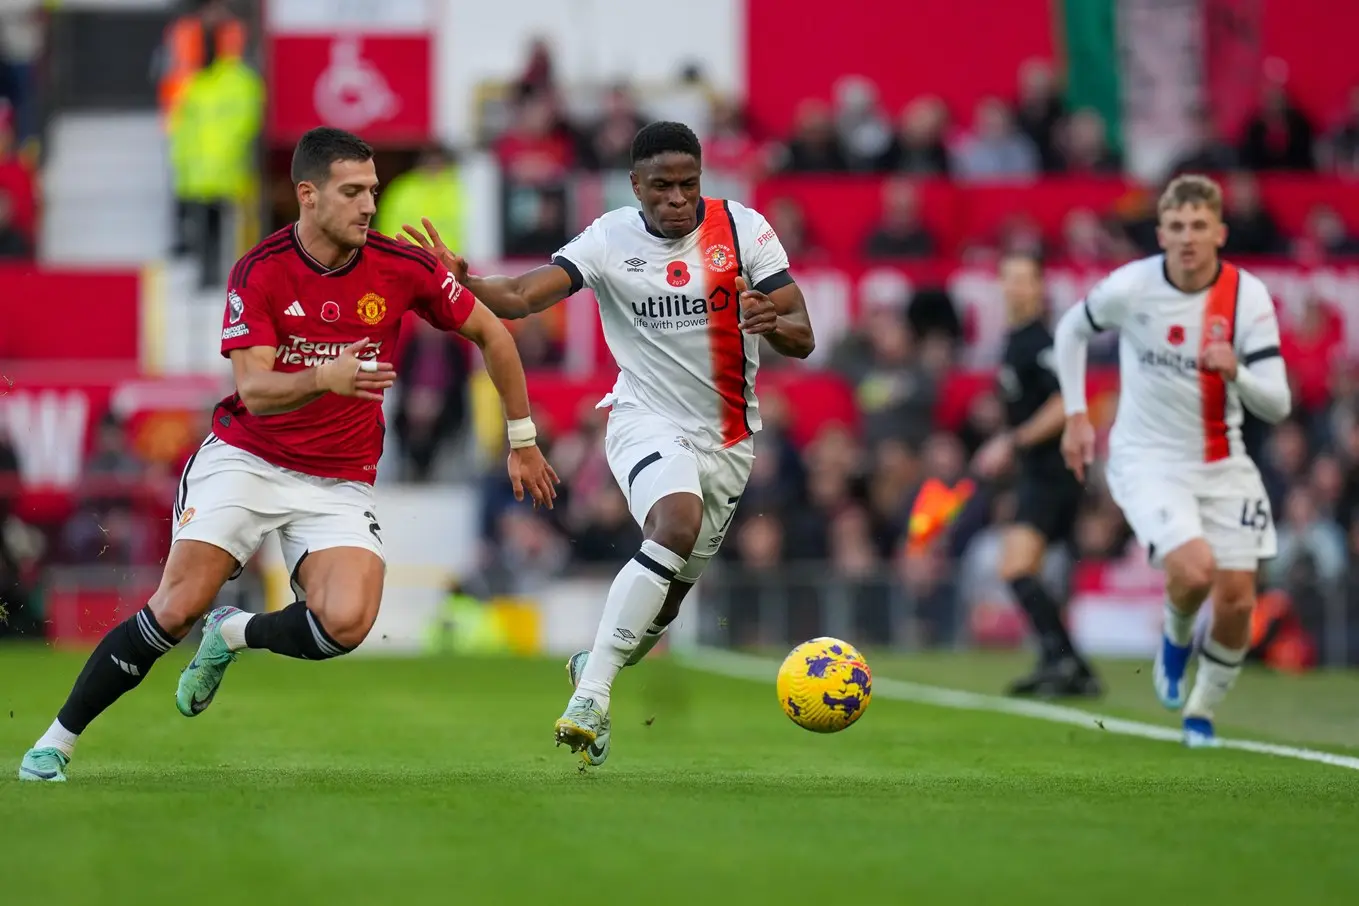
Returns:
(897, 147)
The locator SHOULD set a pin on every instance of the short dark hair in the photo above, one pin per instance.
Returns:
(663, 138)
(320, 148)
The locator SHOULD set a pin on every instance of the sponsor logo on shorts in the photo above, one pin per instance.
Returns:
(372, 308)
(301, 351)
(186, 516)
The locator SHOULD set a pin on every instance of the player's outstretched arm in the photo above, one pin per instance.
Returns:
(527, 294)
(527, 467)
(265, 391)
(780, 317)
(506, 297)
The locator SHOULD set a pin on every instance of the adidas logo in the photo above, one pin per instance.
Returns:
(295, 310)
(129, 669)
(635, 265)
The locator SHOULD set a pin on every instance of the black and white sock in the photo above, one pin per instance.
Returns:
(1219, 667)
(119, 663)
(293, 631)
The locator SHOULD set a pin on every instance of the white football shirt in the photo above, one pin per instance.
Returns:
(1168, 410)
(671, 324)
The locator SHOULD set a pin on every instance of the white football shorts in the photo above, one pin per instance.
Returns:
(232, 499)
(1167, 508)
(652, 458)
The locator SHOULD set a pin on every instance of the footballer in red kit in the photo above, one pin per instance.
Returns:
(280, 296)
(312, 314)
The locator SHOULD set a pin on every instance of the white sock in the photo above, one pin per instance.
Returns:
(58, 737)
(636, 596)
(649, 639)
(233, 630)
(1219, 666)
(1179, 626)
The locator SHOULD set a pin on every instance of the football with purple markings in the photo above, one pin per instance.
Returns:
(825, 685)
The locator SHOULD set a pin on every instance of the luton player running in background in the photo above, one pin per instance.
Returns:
(1198, 340)
(1049, 495)
(312, 313)
(687, 287)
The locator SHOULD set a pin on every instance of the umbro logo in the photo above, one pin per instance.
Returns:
(295, 310)
(635, 265)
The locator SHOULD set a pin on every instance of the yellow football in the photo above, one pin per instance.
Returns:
(824, 685)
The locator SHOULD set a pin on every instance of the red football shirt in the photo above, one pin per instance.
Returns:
(280, 296)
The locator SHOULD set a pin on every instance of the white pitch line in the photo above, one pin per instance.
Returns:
(744, 666)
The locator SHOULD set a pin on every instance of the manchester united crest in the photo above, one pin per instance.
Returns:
(372, 308)
(719, 257)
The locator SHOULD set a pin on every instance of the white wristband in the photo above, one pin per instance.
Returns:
(522, 433)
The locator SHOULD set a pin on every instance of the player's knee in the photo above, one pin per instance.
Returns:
(344, 621)
(179, 602)
(674, 523)
(1191, 569)
(1234, 595)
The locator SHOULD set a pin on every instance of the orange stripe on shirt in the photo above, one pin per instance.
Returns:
(1219, 324)
(719, 251)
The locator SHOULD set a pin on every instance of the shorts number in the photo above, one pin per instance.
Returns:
(1254, 515)
(721, 533)
(373, 525)
(734, 501)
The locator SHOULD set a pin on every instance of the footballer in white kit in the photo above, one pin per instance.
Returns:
(687, 287)
(1198, 341)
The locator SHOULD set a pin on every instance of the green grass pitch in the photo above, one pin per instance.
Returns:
(376, 781)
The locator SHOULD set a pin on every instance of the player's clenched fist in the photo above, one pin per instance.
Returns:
(529, 470)
(1078, 443)
(758, 313)
(1219, 358)
(348, 375)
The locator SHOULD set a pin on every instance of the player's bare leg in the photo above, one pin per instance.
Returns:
(636, 599)
(1061, 670)
(1222, 653)
(343, 590)
(1189, 578)
(194, 573)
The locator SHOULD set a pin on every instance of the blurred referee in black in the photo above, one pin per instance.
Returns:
(1049, 496)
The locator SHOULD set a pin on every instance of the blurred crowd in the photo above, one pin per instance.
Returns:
(21, 38)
